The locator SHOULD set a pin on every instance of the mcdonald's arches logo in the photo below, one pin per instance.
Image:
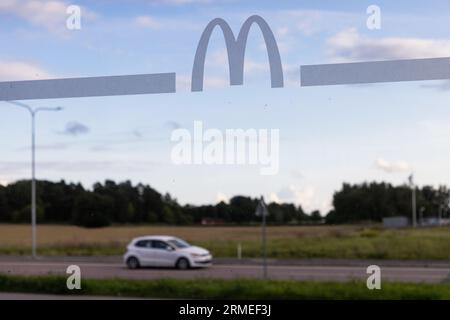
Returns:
(236, 52)
(310, 75)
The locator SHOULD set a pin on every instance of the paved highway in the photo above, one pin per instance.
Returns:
(92, 268)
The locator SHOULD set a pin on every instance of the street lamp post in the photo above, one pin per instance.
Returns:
(33, 113)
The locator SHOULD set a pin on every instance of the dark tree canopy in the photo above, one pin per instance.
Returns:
(124, 203)
(373, 201)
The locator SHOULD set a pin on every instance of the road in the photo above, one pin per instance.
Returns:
(96, 268)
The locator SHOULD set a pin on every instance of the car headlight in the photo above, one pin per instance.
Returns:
(196, 255)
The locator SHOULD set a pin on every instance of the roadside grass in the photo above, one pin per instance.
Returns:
(225, 289)
(294, 242)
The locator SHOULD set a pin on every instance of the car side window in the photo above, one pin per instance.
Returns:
(156, 244)
(143, 244)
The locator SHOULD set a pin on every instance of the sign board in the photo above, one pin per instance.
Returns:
(309, 75)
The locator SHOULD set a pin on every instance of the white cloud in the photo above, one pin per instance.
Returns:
(282, 31)
(392, 167)
(50, 14)
(219, 60)
(216, 82)
(3, 182)
(311, 22)
(217, 63)
(273, 197)
(20, 70)
(147, 22)
(184, 82)
(308, 22)
(305, 197)
(221, 197)
(326, 206)
(348, 45)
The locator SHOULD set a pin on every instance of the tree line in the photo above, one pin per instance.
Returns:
(374, 201)
(124, 203)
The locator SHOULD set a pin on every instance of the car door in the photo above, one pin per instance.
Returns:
(164, 254)
(145, 252)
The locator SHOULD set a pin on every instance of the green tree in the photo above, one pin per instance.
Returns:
(93, 210)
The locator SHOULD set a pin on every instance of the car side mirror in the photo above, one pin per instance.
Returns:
(169, 248)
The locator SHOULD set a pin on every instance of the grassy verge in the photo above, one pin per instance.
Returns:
(345, 242)
(224, 289)
(389, 247)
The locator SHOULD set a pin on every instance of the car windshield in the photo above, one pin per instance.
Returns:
(179, 243)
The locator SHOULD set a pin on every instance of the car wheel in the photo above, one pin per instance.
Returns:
(183, 264)
(133, 263)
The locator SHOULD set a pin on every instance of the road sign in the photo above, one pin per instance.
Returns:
(261, 211)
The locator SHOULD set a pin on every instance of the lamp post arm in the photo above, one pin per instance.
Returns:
(22, 105)
(33, 113)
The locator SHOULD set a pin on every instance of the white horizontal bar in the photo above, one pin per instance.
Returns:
(377, 71)
(88, 87)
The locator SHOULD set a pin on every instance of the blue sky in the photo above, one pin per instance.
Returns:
(328, 134)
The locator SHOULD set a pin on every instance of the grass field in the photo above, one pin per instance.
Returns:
(349, 242)
(225, 289)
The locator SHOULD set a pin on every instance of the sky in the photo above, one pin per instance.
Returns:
(328, 135)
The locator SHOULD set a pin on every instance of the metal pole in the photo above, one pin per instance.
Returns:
(421, 211)
(264, 239)
(239, 251)
(33, 113)
(414, 214)
(33, 184)
(413, 200)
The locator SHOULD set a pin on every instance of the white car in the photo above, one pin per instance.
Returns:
(165, 251)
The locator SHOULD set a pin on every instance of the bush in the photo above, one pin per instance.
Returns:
(243, 289)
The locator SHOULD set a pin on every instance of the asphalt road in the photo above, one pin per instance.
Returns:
(94, 268)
